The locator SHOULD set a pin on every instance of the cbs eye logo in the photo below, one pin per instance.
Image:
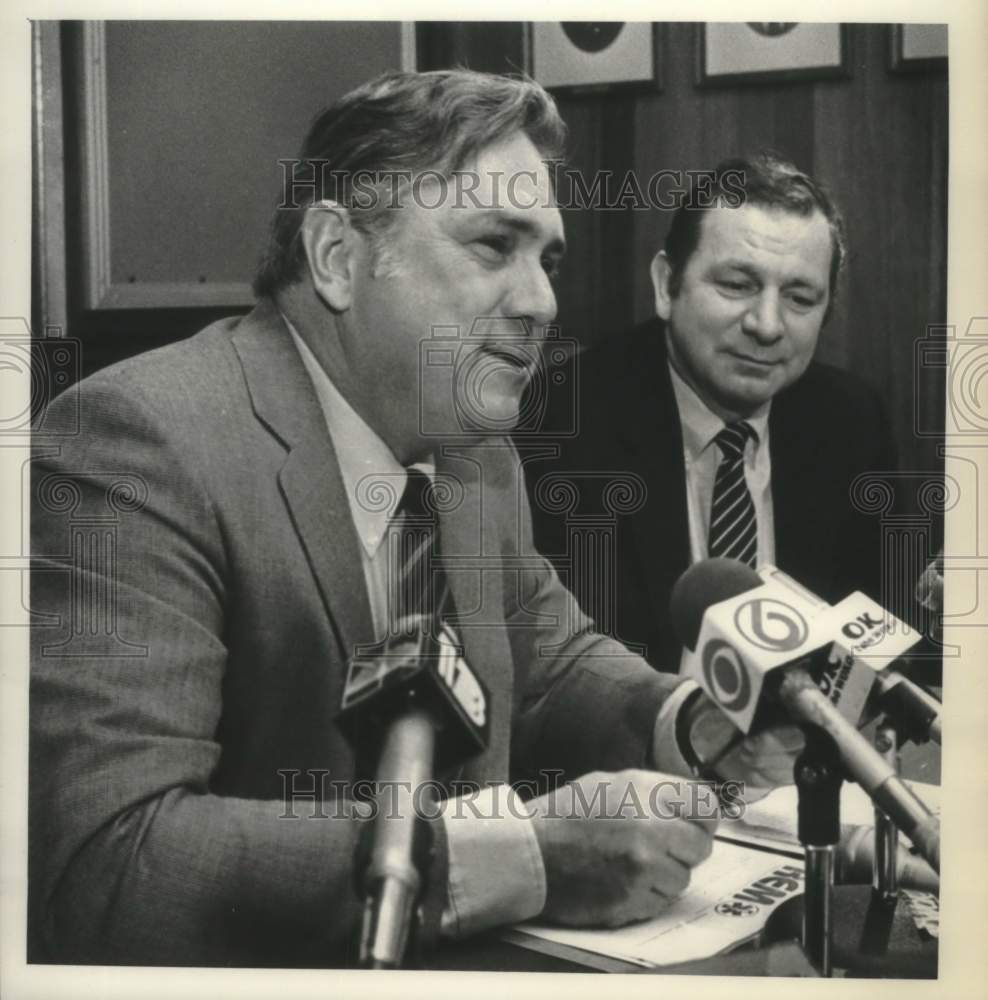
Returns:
(765, 623)
(771, 625)
(726, 676)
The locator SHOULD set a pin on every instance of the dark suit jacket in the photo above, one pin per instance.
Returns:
(199, 589)
(825, 429)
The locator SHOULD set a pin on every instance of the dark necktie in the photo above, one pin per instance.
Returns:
(733, 524)
(421, 586)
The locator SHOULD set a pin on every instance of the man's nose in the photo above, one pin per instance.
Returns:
(764, 319)
(531, 296)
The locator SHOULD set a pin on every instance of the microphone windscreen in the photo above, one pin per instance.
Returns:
(707, 582)
(929, 587)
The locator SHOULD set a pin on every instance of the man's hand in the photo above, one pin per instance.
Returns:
(761, 760)
(619, 847)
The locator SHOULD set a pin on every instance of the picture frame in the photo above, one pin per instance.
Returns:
(100, 290)
(104, 258)
(918, 48)
(734, 53)
(579, 57)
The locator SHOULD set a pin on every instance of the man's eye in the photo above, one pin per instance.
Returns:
(493, 246)
(733, 286)
(551, 267)
(803, 302)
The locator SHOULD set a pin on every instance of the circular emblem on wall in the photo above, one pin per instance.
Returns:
(725, 675)
(592, 36)
(772, 29)
(771, 624)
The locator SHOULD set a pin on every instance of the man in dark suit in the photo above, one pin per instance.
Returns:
(742, 289)
(213, 545)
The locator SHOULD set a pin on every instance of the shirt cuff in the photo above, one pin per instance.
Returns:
(496, 873)
(668, 755)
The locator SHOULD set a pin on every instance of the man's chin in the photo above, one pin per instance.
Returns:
(494, 419)
(494, 407)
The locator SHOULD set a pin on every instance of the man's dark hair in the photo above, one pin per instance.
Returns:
(765, 180)
(400, 124)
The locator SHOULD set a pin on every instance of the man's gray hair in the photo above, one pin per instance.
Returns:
(399, 124)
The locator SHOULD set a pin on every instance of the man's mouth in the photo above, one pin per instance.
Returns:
(521, 361)
(758, 362)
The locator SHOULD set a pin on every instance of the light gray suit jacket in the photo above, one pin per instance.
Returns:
(198, 590)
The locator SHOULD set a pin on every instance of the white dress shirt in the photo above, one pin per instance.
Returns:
(496, 873)
(700, 426)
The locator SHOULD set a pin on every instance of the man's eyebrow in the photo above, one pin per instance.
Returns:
(805, 283)
(753, 272)
(525, 226)
(736, 265)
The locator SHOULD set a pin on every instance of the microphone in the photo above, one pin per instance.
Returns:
(862, 626)
(929, 587)
(788, 616)
(412, 703)
(855, 862)
(754, 649)
(929, 596)
(915, 712)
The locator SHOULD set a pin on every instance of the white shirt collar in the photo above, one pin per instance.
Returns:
(700, 424)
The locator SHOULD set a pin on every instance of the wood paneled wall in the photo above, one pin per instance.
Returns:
(877, 139)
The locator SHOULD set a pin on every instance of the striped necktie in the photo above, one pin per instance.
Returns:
(733, 523)
(420, 581)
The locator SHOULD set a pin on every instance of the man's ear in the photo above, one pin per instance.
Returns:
(329, 240)
(661, 270)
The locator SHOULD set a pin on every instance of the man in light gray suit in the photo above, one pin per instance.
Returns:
(189, 658)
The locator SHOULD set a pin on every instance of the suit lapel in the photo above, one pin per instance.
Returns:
(651, 432)
(284, 400)
(471, 534)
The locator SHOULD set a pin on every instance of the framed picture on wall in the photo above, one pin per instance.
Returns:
(581, 56)
(206, 231)
(770, 51)
(917, 48)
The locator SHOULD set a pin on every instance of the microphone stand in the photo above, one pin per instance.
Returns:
(819, 776)
(885, 880)
(877, 928)
(847, 926)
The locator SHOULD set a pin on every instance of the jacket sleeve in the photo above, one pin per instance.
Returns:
(133, 859)
(584, 702)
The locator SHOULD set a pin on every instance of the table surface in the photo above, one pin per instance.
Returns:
(906, 945)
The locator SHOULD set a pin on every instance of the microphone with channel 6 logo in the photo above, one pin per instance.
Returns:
(759, 650)
(736, 628)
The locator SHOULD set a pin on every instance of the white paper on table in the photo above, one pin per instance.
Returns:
(924, 908)
(772, 820)
(727, 903)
